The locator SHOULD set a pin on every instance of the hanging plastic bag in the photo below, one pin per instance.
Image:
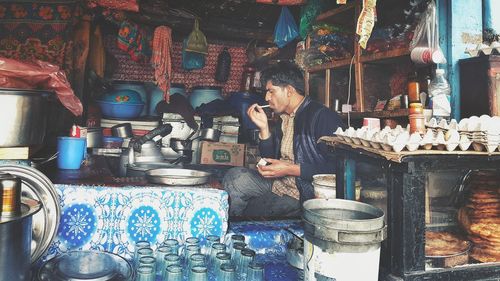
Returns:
(223, 68)
(191, 60)
(286, 29)
(197, 42)
(425, 44)
(308, 14)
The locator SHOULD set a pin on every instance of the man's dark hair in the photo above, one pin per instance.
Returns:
(284, 74)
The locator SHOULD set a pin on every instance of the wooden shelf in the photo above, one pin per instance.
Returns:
(384, 55)
(377, 114)
(333, 12)
(328, 65)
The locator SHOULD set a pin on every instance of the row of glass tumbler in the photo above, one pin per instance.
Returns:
(211, 261)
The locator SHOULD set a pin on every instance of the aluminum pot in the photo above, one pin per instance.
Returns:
(15, 243)
(24, 117)
(209, 134)
(94, 137)
(123, 130)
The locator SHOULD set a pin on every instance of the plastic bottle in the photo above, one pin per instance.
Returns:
(439, 91)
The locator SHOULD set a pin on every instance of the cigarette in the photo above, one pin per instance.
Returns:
(264, 106)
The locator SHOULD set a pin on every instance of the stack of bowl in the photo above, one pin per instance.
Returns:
(121, 104)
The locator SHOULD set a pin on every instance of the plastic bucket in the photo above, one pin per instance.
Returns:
(340, 236)
(324, 186)
(71, 152)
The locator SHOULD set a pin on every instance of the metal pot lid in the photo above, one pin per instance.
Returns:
(28, 208)
(86, 266)
(37, 186)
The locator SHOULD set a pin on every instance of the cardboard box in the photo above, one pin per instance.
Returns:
(220, 153)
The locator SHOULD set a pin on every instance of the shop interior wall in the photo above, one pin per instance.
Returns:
(128, 70)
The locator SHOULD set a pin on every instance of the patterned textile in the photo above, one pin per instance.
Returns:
(127, 5)
(38, 30)
(286, 185)
(113, 219)
(134, 40)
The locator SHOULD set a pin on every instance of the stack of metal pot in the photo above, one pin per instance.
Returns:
(15, 229)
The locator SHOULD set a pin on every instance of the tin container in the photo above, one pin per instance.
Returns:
(15, 242)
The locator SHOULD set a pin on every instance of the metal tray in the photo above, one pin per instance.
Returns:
(86, 266)
(449, 260)
(177, 176)
(37, 186)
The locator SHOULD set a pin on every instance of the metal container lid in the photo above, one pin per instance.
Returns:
(28, 207)
(86, 265)
(37, 186)
(343, 214)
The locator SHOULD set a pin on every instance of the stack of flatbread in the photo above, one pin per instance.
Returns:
(480, 217)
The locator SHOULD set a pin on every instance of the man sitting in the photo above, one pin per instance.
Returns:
(292, 153)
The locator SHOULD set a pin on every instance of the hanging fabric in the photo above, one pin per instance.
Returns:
(134, 41)
(223, 68)
(162, 59)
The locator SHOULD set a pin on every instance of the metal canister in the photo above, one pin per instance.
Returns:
(10, 190)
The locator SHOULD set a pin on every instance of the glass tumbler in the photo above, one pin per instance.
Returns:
(196, 260)
(192, 241)
(168, 260)
(255, 271)
(161, 252)
(145, 273)
(143, 252)
(190, 250)
(227, 272)
(173, 273)
(216, 248)
(198, 273)
(221, 258)
(211, 239)
(235, 238)
(236, 255)
(247, 256)
(173, 245)
(140, 245)
(148, 261)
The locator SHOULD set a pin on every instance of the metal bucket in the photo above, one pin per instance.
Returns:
(341, 235)
(15, 243)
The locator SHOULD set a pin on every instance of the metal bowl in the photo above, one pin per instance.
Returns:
(86, 266)
(177, 176)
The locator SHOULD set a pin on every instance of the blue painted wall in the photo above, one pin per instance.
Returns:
(461, 28)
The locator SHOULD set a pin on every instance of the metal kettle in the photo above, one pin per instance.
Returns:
(144, 149)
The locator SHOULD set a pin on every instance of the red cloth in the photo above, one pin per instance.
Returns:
(126, 5)
(39, 75)
(162, 59)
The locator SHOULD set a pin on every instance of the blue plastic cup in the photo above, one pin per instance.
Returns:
(71, 152)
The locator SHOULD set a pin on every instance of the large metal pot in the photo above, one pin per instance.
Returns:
(24, 117)
(15, 243)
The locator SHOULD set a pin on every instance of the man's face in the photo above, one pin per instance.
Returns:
(277, 97)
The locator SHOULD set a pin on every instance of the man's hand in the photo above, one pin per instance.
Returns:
(278, 169)
(259, 117)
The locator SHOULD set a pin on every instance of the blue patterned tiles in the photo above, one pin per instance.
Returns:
(112, 219)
